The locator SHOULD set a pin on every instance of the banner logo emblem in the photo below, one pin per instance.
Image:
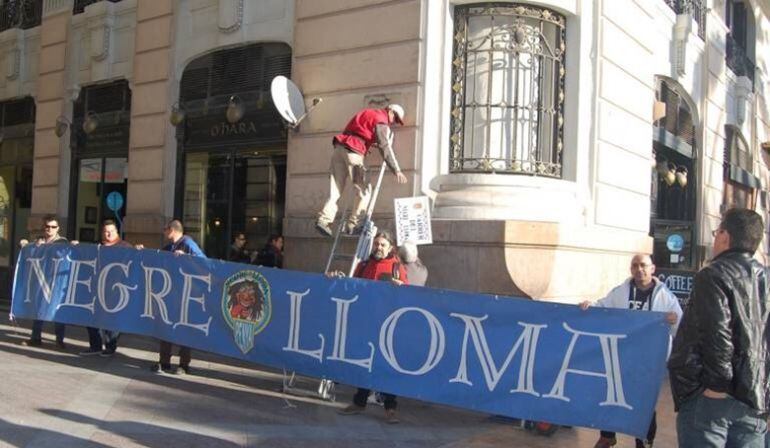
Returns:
(246, 307)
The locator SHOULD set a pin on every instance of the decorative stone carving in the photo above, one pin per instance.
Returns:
(682, 29)
(230, 16)
(743, 89)
(13, 63)
(100, 32)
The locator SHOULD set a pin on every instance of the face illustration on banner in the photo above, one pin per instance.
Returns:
(246, 307)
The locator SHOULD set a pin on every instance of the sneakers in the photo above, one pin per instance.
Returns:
(643, 443)
(184, 370)
(60, 345)
(390, 417)
(323, 228)
(354, 230)
(351, 409)
(606, 442)
(32, 343)
(90, 352)
(107, 353)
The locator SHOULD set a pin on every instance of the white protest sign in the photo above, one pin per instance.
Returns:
(413, 220)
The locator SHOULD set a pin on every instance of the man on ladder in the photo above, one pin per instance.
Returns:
(366, 128)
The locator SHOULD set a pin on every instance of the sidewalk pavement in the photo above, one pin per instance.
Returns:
(51, 398)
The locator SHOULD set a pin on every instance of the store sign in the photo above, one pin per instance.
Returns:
(413, 220)
(505, 356)
(679, 282)
(256, 127)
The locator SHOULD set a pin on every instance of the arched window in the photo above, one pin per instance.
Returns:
(673, 186)
(508, 89)
(741, 186)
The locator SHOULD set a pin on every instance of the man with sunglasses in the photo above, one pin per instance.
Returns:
(641, 292)
(50, 236)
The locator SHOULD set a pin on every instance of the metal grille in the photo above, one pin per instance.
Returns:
(507, 90)
(246, 69)
(696, 8)
(102, 98)
(737, 59)
(80, 5)
(17, 112)
(678, 118)
(22, 14)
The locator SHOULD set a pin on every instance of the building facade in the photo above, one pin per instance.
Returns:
(555, 138)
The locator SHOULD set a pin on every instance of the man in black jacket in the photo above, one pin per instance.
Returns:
(719, 363)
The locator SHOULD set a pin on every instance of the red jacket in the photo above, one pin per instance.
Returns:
(385, 269)
(360, 132)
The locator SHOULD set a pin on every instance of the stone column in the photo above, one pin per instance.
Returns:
(49, 153)
(150, 168)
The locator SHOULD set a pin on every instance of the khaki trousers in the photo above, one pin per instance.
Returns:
(346, 165)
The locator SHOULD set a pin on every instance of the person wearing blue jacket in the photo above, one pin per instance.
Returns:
(179, 244)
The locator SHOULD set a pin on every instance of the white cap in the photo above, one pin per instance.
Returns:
(398, 111)
(408, 252)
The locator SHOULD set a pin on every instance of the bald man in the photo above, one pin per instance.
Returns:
(643, 291)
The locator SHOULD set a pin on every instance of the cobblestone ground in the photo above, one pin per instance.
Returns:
(51, 398)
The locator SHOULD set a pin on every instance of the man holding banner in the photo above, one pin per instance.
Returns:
(643, 291)
(179, 244)
(719, 364)
(50, 236)
(96, 336)
(383, 264)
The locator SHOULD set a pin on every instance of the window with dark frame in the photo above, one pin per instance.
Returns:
(741, 186)
(507, 90)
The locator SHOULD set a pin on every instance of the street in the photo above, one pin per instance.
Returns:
(53, 398)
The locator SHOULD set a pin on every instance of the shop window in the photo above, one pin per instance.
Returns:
(508, 73)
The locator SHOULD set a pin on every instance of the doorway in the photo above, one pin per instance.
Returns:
(230, 192)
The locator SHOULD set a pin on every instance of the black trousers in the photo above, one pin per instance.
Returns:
(37, 330)
(359, 399)
(165, 355)
(95, 339)
(650, 432)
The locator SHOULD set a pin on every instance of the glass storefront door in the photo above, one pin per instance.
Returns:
(230, 192)
(15, 202)
(96, 178)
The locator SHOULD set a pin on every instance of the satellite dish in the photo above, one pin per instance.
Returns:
(289, 101)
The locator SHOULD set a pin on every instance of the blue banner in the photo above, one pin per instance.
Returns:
(600, 368)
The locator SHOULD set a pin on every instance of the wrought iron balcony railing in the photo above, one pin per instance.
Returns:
(737, 59)
(696, 8)
(80, 5)
(21, 14)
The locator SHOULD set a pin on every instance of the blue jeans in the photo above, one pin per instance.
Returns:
(715, 423)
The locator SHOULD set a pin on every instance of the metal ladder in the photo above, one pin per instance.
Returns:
(325, 389)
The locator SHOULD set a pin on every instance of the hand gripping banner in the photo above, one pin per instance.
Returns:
(600, 368)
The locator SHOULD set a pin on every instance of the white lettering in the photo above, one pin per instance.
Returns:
(294, 326)
(437, 341)
(69, 299)
(609, 344)
(527, 341)
(341, 337)
(184, 314)
(45, 287)
(151, 296)
(123, 289)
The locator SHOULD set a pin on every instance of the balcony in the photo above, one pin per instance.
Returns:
(22, 14)
(696, 8)
(80, 5)
(738, 60)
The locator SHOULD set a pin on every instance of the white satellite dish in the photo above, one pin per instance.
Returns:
(289, 101)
